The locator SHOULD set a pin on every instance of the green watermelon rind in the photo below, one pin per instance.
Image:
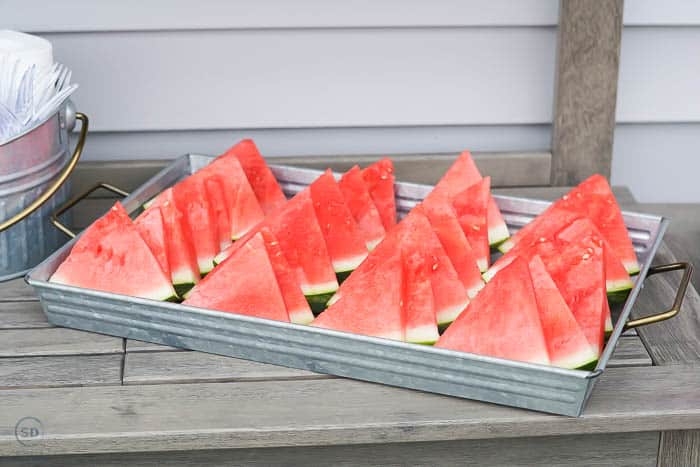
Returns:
(318, 302)
(618, 296)
(498, 234)
(584, 359)
(341, 276)
(588, 366)
(632, 267)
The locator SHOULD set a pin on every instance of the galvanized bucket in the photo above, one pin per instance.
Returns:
(34, 167)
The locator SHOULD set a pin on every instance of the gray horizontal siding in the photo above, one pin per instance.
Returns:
(160, 78)
(320, 141)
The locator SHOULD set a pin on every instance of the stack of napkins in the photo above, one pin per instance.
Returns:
(32, 86)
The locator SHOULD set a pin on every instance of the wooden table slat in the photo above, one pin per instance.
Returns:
(329, 411)
(56, 341)
(57, 371)
(22, 315)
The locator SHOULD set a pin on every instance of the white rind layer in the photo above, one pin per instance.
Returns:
(318, 289)
(303, 316)
(348, 264)
(506, 246)
(161, 293)
(482, 264)
(372, 244)
(426, 334)
(612, 286)
(632, 267)
(183, 276)
(474, 291)
(333, 299)
(498, 233)
(608, 324)
(205, 265)
(447, 315)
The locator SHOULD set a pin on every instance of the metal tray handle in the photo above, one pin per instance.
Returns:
(78, 198)
(677, 302)
(37, 203)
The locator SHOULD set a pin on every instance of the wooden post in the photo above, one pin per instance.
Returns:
(588, 56)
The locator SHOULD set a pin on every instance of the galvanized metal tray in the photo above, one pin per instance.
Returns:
(531, 386)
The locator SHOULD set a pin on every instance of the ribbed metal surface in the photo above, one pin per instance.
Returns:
(28, 166)
(535, 387)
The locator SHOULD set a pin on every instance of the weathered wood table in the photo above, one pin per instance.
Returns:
(89, 399)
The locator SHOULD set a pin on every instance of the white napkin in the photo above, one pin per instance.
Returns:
(32, 86)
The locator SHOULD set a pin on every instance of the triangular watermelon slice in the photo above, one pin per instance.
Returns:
(416, 234)
(372, 306)
(577, 270)
(443, 220)
(379, 178)
(244, 210)
(301, 239)
(216, 196)
(502, 321)
(265, 186)
(191, 199)
(549, 224)
(464, 173)
(294, 300)
(184, 270)
(418, 301)
(244, 285)
(567, 345)
(362, 207)
(593, 198)
(471, 206)
(151, 228)
(111, 256)
(344, 241)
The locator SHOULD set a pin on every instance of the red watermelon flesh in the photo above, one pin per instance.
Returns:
(301, 239)
(579, 276)
(464, 173)
(245, 285)
(416, 234)
(386, 250)
(379, 178)
(244, 210)
(294, 300)
(502, 321)
(471, 206)
(184, 270)
(265, 186)
(191, 200)
(418, 302)
(151, 228)
(362, 207)
(594, 199)
(443, 220)
(218, 202)
(344, 241)
(372, 305)
(111, 256)
(567, 345)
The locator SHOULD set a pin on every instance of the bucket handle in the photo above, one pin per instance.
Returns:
(37, 203)
(61, 226)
